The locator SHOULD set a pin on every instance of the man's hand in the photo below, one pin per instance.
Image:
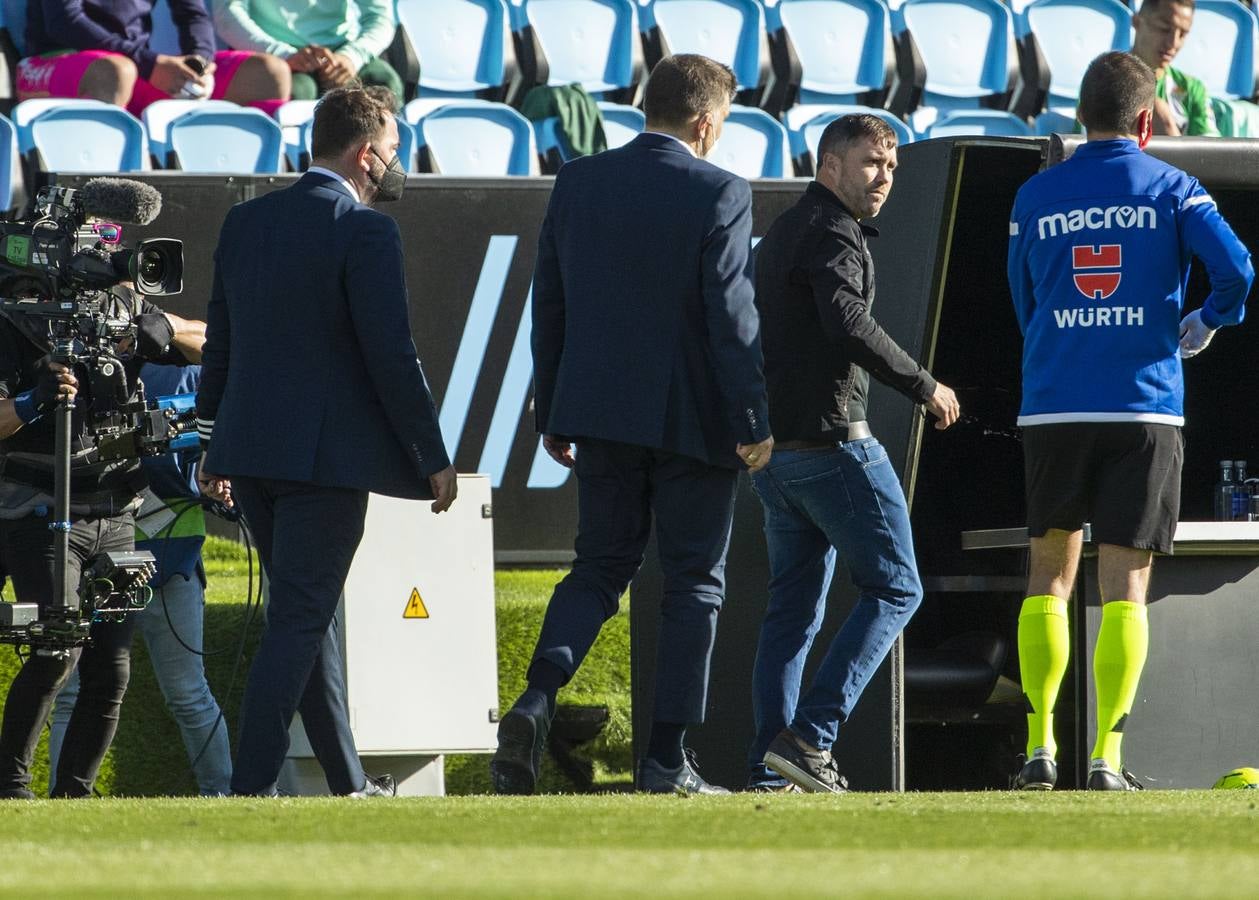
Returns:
(54, 382)
(213, 486)
(1164, 120)
(944, 406)
(559, 450)
(305, 60)
(1194, 335)
(756, 456)
(171, 73)
(445, 485)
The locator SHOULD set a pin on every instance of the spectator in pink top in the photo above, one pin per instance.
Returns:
(100, 49)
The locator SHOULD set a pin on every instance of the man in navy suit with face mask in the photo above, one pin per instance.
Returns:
(311, 397)
(647, 359)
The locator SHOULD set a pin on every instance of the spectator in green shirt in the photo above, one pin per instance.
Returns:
(324, 42)
(1181, 104)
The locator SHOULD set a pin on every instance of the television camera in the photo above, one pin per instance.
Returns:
(56, 271)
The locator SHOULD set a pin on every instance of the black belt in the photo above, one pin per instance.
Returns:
(857, 431)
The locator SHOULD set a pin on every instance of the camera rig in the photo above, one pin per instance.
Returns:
(56, 270)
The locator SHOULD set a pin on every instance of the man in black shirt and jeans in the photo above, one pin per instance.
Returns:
(829, 488)
(103, 499)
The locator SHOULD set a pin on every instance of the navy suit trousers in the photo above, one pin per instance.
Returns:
(307, 536)
(619, 488)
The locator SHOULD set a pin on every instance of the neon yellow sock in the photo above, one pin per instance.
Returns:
(1122, 644)
(1044, 647)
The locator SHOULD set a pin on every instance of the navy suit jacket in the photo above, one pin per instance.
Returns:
(309, 372)
(644, 328)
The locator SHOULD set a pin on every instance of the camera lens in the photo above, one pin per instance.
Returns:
(151, 267)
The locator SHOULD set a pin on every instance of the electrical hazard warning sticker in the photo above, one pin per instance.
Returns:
(415, 606)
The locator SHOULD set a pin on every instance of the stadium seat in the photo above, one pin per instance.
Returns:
(80, 136)
(593, 43)
(1221, 49)
(10, 164)
(165, 37)
(621, 124)
(987, 122)
(967, 47)
(729, 31)
(845, 52)
(1052, 122)
(811, 132)
(239, 140)
(753, 145)
(464, 47)
(158, 116)
(1059, 38)
(461, 138)
(293, 118)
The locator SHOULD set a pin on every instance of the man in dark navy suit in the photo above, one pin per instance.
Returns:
(647, 358)
(311, 397)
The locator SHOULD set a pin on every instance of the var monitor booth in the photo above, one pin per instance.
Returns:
(945, 711)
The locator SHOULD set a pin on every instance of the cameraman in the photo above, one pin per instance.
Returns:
(104, 496)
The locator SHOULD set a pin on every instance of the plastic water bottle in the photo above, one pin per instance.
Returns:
(1241, 492)
(1223, 492)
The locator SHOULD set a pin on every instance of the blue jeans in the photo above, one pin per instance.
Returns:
(181, 677)
(818, 504)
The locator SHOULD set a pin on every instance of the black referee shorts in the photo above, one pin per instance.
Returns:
(1123, 477)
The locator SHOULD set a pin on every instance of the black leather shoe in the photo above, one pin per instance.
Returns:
(654, 778)
(377, 786)
(1103, 778)
(16, 794)
(1040, 773)
(808, 768)
(521, 742)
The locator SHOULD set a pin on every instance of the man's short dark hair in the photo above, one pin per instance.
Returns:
(847, 130)
(1151, 5)
(684, 87)
(1116, 87)
(346, 117)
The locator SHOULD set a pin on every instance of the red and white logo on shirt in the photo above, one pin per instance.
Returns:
(1089, 263)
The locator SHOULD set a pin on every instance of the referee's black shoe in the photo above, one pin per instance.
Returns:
(1103, 778)
(1040, 773)
(521, 741)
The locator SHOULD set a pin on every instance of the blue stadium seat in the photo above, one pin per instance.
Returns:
(10, 164)
(845, 53)
(1070, 34)
(1052, 122)
(753, 145)
(593, 43)
(463, 46)
(968, 49)
(158, 116)
(164, 37)
(236, 140)
(986, 122)
(80, 136)
(293, 118)
(1221, 49)
(621, 124)
(811, 132)
(477, 138)
(729, 31)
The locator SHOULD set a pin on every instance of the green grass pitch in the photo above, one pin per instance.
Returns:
(1070, 844)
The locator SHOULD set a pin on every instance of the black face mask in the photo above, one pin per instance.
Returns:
(393, 182)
